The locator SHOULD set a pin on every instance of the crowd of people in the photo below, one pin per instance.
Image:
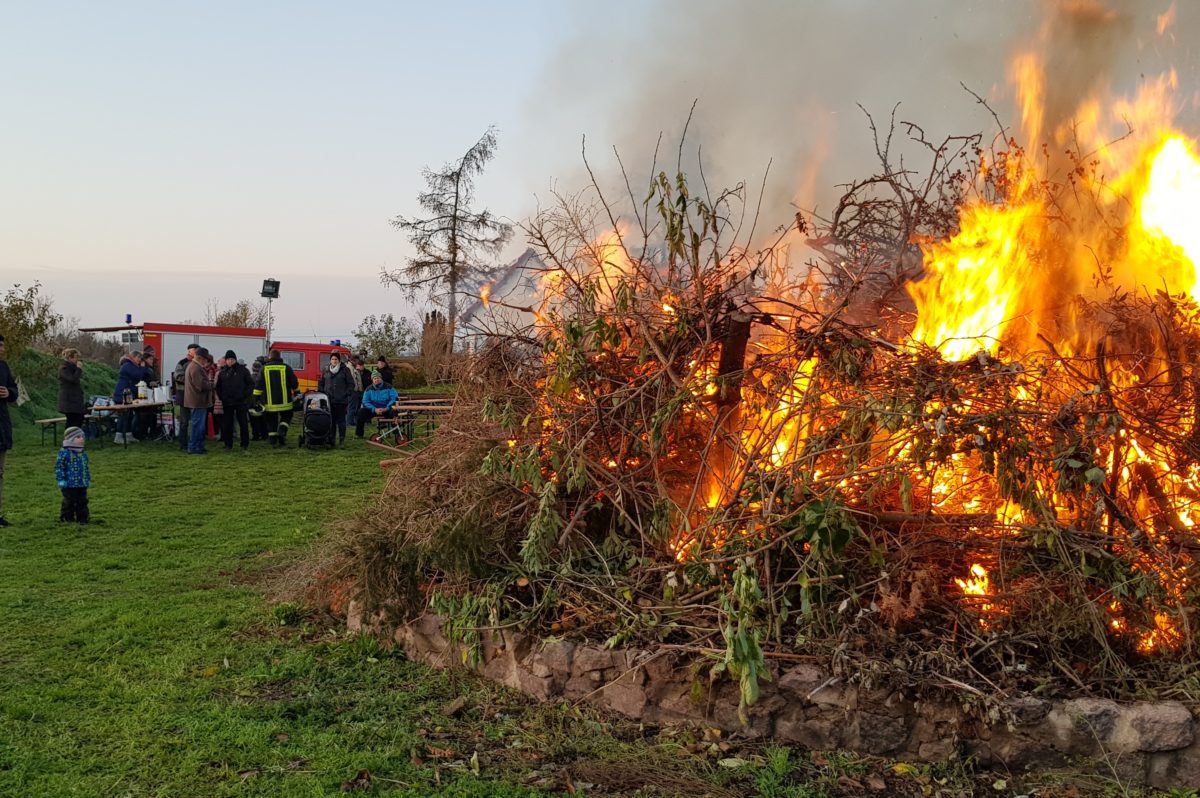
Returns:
(256, 403)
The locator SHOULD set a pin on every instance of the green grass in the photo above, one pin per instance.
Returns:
(140, 658)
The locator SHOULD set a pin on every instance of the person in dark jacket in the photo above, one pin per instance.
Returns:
(385, 371)
(338, 384)
(235, 389)
(355, 368)
(258, 427)
(145, 422)
(128, 377)
(177, 380)
(8, 395)
(70, 388)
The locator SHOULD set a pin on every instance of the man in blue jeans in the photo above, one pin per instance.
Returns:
(198, 399)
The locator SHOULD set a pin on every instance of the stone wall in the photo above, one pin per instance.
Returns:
(1142, 743)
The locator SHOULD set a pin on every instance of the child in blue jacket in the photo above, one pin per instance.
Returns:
(74, 477)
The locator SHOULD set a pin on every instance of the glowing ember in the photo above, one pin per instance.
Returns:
(978, 584)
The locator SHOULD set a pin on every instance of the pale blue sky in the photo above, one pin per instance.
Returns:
(156, 154)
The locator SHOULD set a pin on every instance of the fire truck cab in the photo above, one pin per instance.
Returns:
(308, 360)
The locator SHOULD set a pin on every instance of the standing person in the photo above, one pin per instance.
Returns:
(8, 395)
(177, 391)
(378, 402)
(258, 427)
(145, 422)
(385, 371)
(276, 388)
(235, 389)
(74, 477)
(197, 398)
(70, 388)
(128, 377)
(357, 373)
(337, 382)
(217, 408)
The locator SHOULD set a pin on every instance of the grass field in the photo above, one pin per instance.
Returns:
(140, 657)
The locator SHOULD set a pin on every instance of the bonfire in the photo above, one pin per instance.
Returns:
(958, 449)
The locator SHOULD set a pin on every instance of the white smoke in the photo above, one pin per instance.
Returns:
(780, 81)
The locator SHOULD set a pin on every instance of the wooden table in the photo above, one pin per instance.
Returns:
(136, 406)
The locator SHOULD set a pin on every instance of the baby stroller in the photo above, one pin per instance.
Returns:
(317, 422)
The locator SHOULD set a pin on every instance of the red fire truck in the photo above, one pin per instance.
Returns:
(170, 341)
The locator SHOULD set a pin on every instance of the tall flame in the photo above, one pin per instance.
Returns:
(974, 280)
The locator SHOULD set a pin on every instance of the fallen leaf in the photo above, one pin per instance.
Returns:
(296, 764)
(361, 781)
(819, 759)
(853, 785)
(1000, 784)
(282, 737)
(246, 775)
(454, 707)
(475, 763)
(211, 671)
(439, 753)
(733, 762)
(904, 769)
(876, 783)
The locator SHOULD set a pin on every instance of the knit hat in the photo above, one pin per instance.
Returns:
(375, 373)
(229, 354)
(73, 438)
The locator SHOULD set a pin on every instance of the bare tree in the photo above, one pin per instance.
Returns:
(65, 333)
(243, 313)
(452, 238)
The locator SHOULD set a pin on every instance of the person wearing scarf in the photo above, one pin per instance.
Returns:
(338, 384)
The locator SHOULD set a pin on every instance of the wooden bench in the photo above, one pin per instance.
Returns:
(49, 424)
(96, 422)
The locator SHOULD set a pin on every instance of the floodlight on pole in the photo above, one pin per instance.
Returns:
(270, 292)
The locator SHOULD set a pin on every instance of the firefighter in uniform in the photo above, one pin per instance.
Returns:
(276, 388)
